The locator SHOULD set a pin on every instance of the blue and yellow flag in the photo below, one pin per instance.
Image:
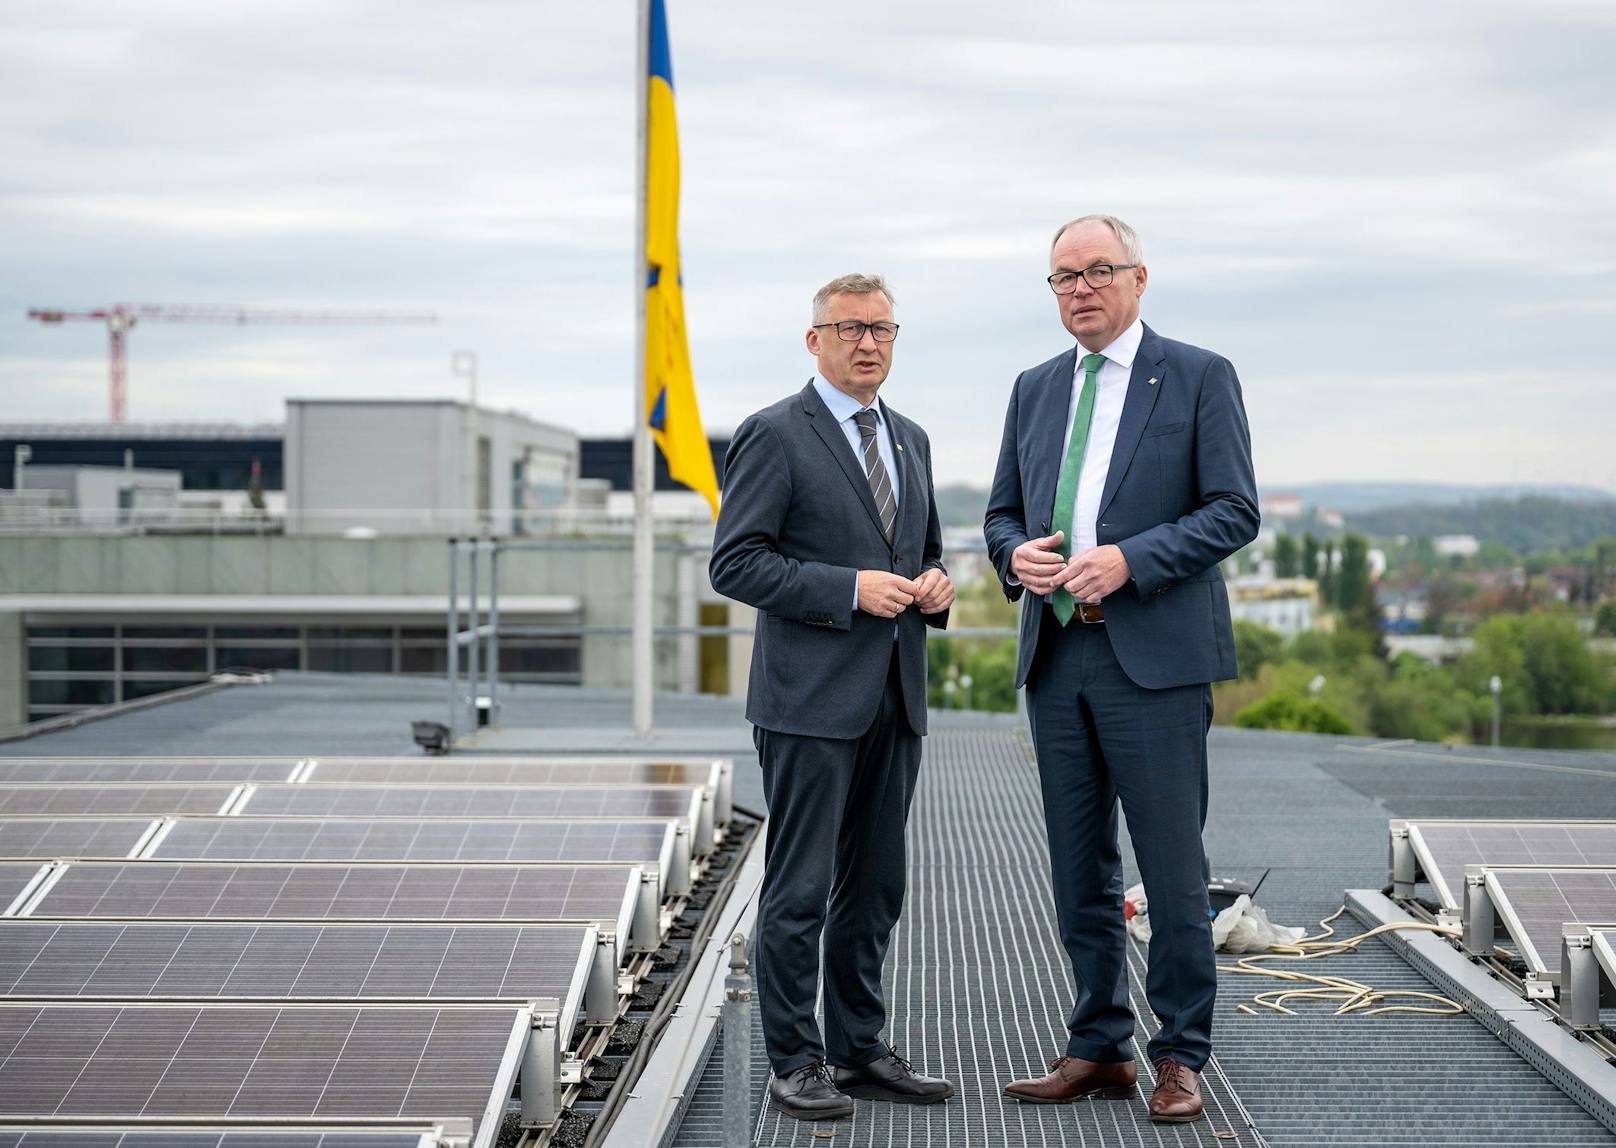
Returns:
(670, 388)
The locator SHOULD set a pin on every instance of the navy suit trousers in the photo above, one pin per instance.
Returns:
(1100, 737)
(834, 867)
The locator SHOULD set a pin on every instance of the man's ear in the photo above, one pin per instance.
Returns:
(813, 342)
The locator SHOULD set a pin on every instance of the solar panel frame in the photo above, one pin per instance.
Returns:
(116, 800)
(18, 882)
(672, 860)
(303, 961)
(256, 889)
(42, 846)
(1445, 871)
(71, 1025)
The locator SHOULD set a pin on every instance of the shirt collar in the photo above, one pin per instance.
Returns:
(1122, 349)
(842, 405)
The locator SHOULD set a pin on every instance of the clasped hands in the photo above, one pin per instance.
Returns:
(886, 595)
(1088, 577)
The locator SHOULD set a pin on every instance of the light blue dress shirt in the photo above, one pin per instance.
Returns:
(843, 407)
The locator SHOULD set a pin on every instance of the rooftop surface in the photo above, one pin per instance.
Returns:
(977, 983)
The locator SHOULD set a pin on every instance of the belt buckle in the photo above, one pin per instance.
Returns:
(1083, 609)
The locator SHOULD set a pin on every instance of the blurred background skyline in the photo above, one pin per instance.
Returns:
(1395, 223)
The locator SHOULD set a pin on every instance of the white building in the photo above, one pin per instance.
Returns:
(433, 466)
(1456, 545)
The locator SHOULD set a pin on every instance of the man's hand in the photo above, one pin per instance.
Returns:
(934, 593)
(1038, 565)
(885, 594)
(1093, 574)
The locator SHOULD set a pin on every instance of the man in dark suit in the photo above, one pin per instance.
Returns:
(1124, 479)
(830, 530)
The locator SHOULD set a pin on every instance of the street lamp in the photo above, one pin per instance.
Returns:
(1316, 686)
(1496, 685)
(463, 365)
(965, 690)
(948, 693)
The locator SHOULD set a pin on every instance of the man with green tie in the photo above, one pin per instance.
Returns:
(1124, 479)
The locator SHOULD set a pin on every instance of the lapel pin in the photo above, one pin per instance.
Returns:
(900, 448)
(1152, 382)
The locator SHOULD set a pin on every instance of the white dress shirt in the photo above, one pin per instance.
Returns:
(843, 407)
(1111, 388)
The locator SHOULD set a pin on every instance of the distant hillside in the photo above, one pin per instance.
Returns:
(959, 504)
(1530, 524)
(1351, 498)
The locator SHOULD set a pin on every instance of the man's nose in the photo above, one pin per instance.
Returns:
(867, 337)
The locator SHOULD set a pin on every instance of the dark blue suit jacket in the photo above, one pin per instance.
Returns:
(1179, 498)
(796, 526)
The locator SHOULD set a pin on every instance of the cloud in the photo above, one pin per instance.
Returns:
(1394, 220)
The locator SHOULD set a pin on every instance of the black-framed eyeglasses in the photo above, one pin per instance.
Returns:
(1100, 275)
(852, 330)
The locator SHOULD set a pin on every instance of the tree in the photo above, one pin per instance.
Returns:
(1310, 556)
(1256, 646)
(1605, 620)
(1327, 574)
(1351, 582)
(1286, 564)
(1286, 709)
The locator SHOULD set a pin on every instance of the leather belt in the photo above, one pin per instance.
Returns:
(1084, 612)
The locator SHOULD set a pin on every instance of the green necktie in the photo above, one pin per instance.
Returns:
(1066, 489)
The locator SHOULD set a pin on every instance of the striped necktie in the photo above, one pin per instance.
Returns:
(886, 503)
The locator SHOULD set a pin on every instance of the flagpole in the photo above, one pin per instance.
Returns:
(642, 651)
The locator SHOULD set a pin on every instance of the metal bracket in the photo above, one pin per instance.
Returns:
(1538, 989)
(1579, 978)
(1480, 920)
(1401, 860)
(541, 1066)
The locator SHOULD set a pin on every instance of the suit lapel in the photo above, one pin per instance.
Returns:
(841, 450)
(1145, 382)
(1053, 404)
(912, 497)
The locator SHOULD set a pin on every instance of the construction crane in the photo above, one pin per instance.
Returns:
(121, 318)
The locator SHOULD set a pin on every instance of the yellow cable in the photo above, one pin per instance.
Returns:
(1353, 997)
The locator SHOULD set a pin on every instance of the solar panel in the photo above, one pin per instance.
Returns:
(201, 890)
(113, 800)
(234, 1063)
(15, 876)
(281, 961)
(48, 838)
(467, 801)
(183, 1137)
(312, 839)
(191, 770)
(1534, 906)
(507, 771)
(1444, 848)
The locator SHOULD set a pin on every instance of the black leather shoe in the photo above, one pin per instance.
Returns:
(893, 1078)
(809, 1094)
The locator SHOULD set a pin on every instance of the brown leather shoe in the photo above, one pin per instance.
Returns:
(1072, 1079)
(1177, 1097)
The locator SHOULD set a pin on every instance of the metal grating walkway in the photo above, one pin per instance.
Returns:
(978, 984)
(977, 981)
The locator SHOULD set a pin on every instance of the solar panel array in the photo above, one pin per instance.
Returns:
(234, 943)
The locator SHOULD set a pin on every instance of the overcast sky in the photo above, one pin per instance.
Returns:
(1396, 219)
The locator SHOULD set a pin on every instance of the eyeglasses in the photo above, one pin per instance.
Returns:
(1098, 276)
(851, 330)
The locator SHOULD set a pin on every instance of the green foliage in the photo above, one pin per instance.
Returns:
(1255, 646)
(1543, 662)
(1605, 620)
(992, 666)
(1287, 563)
(1286, 709)
(1350, 586)
(1310, 556)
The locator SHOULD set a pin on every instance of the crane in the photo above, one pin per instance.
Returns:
(121, 318)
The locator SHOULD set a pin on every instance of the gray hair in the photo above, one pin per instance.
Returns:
(1130, 239)
(855, 284)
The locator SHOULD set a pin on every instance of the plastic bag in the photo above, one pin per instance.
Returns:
(1241, 928)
